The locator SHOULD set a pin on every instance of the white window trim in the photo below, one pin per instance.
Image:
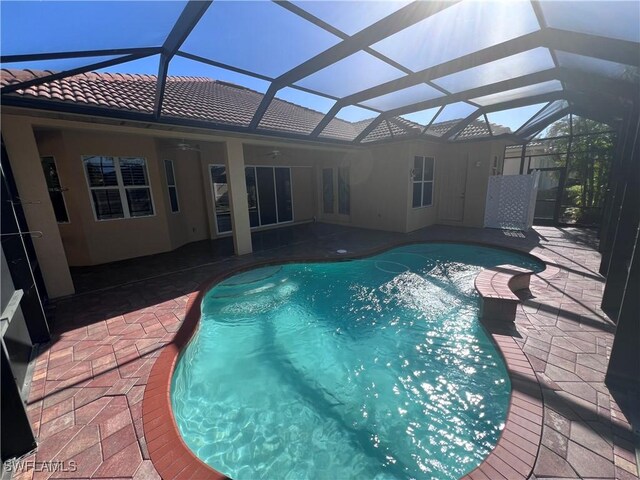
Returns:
(174, 186)
(213, 196)
(122, 190)
(423, 181)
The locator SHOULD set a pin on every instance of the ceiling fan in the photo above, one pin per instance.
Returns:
(184, 146)
(273, 154)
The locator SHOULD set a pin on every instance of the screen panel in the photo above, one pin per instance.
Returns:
(548, 111)
(350, 16)
(401, 98)
(60, 64)
(186, 67)
(476, 129)
(517, 93)
(231, 98)
(257, 36)
(598, 66)
(62, 26)
(461, 29)
(350, 75)
(423, 117)
(524, 63)
(615, 19)
(514, 118)
(449, 117)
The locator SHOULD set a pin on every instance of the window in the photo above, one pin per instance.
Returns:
(55, 189)
(119, 187)
(268, 196)
(344, 200)
(221, 198)
(423, 181)
(327, 190)
(171, 185)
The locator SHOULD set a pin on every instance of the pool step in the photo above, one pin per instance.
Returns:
(496, 287)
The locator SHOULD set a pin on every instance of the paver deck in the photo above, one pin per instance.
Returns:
(85, 402)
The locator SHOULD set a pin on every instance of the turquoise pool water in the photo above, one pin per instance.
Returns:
(364, 369)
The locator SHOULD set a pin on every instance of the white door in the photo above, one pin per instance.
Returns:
(453, 192)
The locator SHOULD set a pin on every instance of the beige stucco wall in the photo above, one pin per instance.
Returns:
(22, 149)
(89, 241)
(380, 188)
(479, 158)
(190, 224)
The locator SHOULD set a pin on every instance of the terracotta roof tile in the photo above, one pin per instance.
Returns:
(203, 99)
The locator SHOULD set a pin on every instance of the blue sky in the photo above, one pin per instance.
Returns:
(258, 36)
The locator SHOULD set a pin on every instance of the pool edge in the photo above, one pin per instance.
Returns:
(173, 459)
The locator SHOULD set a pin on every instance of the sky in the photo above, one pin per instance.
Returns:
(264, 38)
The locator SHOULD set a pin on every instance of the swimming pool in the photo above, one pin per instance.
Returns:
(372, 368)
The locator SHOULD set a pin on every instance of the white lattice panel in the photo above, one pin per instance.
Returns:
(511, 201)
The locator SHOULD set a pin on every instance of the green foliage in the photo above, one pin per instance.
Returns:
(588, 154)
(573, 195)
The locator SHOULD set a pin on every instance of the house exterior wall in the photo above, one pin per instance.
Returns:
(190, 223)
(380, 187)
(303, 181)
(89, 241)
(481, 159)
(22, 150)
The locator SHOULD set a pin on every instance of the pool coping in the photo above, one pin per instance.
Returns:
(173, 459)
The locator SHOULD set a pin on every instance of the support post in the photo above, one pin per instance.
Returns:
(24, 157)
(238, 197)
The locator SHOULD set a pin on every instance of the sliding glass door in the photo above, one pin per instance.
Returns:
(268, 196)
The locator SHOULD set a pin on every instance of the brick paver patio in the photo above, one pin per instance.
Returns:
(85, 402)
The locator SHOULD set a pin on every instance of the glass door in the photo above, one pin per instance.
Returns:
(550, 188)
(269, 196)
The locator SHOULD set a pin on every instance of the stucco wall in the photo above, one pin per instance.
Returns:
(89, 241)
(479, 158)
(380, 188)
(190, 223)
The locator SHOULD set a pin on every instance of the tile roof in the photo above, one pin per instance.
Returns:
(207, 100)
(475, 129)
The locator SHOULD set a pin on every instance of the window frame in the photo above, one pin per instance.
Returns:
(170, 186)
(324, 191)
(422, 181)
(121, 187)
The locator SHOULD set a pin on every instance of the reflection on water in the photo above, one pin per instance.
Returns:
(373, 368)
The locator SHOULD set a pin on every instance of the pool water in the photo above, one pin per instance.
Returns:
(365, 369)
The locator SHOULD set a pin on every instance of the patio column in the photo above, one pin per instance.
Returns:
(238, 197)
(22, 150)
